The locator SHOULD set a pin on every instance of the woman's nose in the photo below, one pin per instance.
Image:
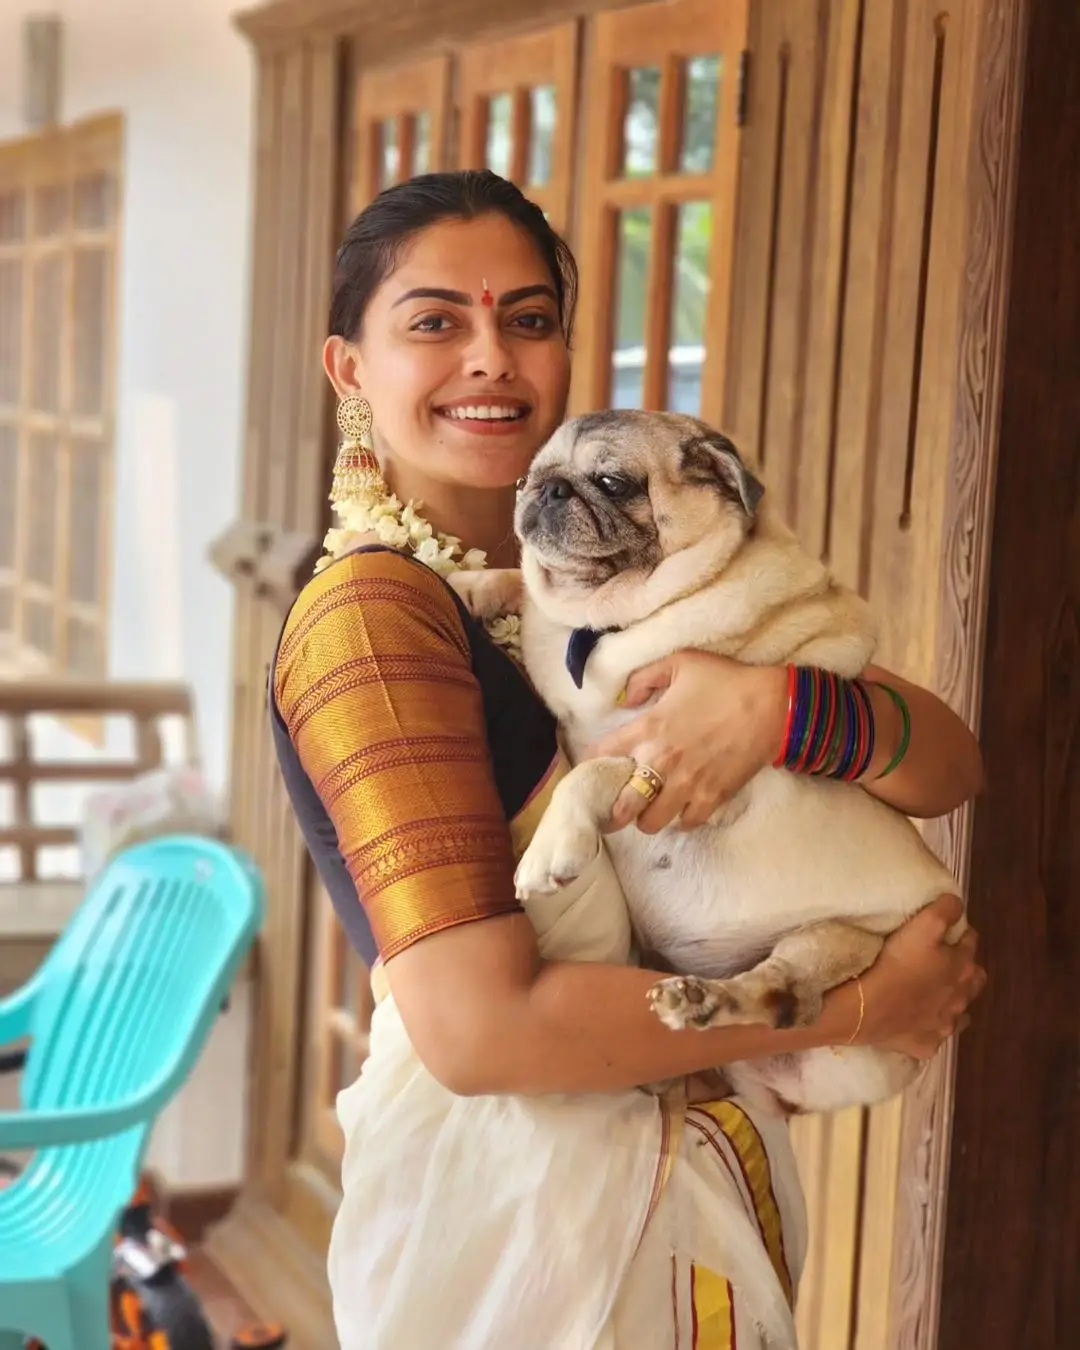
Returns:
(489, 356)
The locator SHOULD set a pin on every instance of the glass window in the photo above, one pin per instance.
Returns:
(631, 299)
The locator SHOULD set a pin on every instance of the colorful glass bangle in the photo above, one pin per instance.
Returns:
(830, 729)
(905, 738)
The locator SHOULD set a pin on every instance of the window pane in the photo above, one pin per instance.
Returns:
(689, 305)
(39, 626)
(91, 330)
(87, 505)
(11, 316)
(541, 134)
(12, 216)
(50, 211)
(699, 114)
(39, 545)
(48, 332)
(9, 494)
(641, 131)
(389, 153)
(94, 202)
(422, 147)
(631, 289)
(500, 134)
(84, 654)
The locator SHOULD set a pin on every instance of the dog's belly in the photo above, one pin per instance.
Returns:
(791, 851)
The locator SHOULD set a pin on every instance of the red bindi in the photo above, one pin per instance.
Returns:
(486, 298)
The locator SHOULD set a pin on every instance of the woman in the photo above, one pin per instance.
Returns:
(505, 1182)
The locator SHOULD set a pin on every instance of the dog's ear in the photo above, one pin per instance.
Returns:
(711, 456)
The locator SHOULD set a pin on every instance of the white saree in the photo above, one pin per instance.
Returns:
(600, 1222)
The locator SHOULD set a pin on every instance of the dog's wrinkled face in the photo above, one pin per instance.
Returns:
(613, 494)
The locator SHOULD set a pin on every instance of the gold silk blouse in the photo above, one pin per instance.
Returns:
(375, 682)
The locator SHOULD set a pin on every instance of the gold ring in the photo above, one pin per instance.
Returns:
(647, 781)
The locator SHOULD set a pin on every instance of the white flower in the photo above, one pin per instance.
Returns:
(388, 506)
(506, 628)
(417, 527)
(391, 531)
(475, 560)
(436, 556)
(355, 519)
(505, 632)
(334, 543)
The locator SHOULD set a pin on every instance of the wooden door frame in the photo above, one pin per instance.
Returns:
(378, 37)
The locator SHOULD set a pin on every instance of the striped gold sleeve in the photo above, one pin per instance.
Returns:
(375, 684)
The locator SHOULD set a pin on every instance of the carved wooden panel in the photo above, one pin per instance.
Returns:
(997, 51)
(843, 382)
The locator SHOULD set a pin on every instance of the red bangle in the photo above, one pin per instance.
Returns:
(793, 688)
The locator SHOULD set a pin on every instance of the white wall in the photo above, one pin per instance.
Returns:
(182, 77)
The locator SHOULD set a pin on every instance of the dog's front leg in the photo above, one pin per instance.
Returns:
(784, 990)
(569, 835)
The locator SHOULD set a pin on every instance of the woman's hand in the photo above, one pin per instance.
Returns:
(919, 989)
(716, 723)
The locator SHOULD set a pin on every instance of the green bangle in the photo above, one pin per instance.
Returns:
(905, 739)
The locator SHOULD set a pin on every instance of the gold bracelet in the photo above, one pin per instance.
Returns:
(862, 1012)
(839, 1049)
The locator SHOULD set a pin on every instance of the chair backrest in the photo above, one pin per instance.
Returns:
(135, 982)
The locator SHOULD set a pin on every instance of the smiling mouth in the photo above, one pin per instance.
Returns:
(486, 412)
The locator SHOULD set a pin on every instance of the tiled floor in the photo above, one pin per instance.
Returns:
(226, 1310)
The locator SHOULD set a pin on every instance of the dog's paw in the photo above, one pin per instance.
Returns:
(487, 594)
(554, 859)
(684, 1001)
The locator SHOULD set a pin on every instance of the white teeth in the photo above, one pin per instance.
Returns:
(485, 413)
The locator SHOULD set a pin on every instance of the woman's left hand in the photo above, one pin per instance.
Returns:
(715, 725)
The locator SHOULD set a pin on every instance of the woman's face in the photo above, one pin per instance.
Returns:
(462, 390)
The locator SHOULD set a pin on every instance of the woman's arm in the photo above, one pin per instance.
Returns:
(485, 1015)
(718, 722)
(942, 768)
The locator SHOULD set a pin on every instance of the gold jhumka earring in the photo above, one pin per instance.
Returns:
(357, 475)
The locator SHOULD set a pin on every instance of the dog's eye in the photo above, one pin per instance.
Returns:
(612, 486)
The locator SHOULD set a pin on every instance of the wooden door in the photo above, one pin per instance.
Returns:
(518, 102)
(658, 195)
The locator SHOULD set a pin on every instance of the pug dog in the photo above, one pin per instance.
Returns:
(643, 534)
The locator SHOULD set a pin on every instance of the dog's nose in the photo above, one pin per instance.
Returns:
(556, 490)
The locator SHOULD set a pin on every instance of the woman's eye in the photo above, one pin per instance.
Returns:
(534, 323)
(431, 323)
(614, 487)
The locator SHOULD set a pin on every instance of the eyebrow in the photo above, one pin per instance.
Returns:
(462, 298)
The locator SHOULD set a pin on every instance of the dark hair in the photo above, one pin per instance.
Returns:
(373, 243)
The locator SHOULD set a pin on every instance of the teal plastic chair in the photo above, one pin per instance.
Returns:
(117, 1016)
